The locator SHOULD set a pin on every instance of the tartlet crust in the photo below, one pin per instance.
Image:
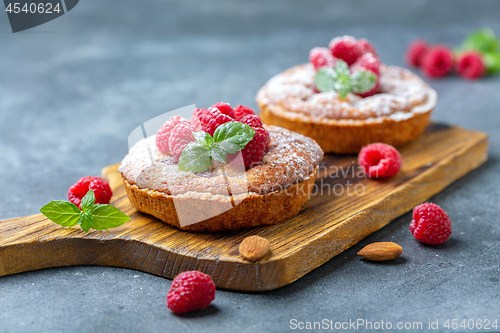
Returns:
(254, 210)
(348, 136)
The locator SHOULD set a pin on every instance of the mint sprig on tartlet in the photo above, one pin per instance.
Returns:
(92, 215)
(340, 79)
(228, 138)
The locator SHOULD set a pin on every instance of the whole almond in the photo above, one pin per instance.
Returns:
(254, 247)
(381, 251)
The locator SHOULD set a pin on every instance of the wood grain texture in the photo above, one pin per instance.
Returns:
(327, 225)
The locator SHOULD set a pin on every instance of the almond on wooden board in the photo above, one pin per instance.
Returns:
(254, 247)
(381, 251)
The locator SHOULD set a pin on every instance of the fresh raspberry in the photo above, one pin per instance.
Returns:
(181, 136)
(101, 189)
(380, 160)
(241, 111)
(213, 119)
(415, 52)
(430, 224)
(345, 48)
(164, 133)
(471, 65)
(225, 108)
(321, 57)
(255, 149)
(437, 61)
(191, 290)
(366, 46)
(367, 61)
(196, 118)
(252, 120)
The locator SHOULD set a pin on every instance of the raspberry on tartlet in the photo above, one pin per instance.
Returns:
(181, 136)
(346, 48)
(368, 61)
(366, 46)
(241, 111)
(197, 116)
(212, 119)
(163, 135)
(320, 57)
(224, 108)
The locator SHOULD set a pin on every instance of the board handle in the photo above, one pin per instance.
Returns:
(34, 242)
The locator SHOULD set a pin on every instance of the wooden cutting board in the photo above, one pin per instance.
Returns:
(327, 225)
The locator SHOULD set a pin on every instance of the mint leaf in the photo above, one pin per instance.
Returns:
(483, 40)
(363, 81)
(338, 79)
(228, 138)
(203, 138)
(195, 158)
(492, 61)
(234, 132)
(342, 68)
(85, 221)
(324, 79)
(88, 201)
(220, 150)
(61, 212)
(107, 216)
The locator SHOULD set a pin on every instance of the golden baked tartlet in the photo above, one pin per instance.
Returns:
(224, 197)
(397, 112)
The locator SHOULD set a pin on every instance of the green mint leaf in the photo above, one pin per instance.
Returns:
(220, 150)
(63, 213)
(85, 221)
(342, 86)
(203, 138)
(230, 138)
(483, 40)
(492, 60)
(88, 201)
(234, 132)
(195, 158)
(107, 216)
(342, 68)
(324, 79)
(338, 79)
(363, 81)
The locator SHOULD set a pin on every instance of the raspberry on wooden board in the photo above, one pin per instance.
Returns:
(380, 160)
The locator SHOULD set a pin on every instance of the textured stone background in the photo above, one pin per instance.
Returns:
(72, 90)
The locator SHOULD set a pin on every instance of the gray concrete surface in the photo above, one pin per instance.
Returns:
(71, 91)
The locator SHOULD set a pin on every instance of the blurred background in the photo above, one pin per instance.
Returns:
(72, 90)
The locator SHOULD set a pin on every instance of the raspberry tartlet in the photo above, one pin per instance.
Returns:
(394, 108)
(265, 181)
